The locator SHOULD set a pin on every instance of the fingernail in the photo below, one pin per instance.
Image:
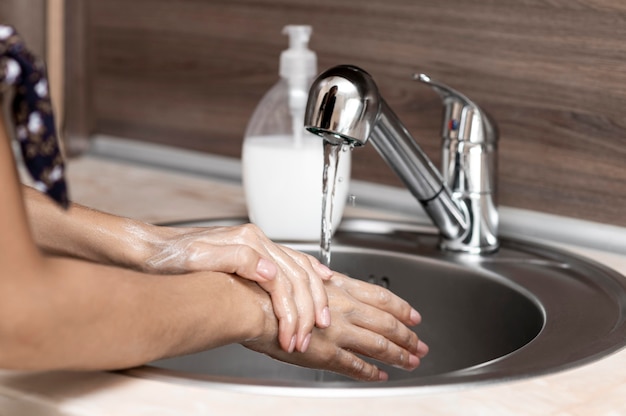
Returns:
(414, 361)
(292, 344)
(415, 317)
(382, 376)
(305, 343)
(422, 348)
(325, 317)
(266, 269)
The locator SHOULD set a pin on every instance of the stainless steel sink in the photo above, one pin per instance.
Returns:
(523, 311)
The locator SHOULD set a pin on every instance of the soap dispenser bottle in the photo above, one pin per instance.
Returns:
(282, 163)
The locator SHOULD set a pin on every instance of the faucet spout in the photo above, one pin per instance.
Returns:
(406, 158)
(345, 107)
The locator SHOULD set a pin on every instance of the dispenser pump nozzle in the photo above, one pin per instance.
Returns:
(298, 61)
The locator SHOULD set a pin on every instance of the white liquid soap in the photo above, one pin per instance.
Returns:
(283, 186)
(282, 163)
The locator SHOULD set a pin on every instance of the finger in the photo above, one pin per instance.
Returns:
(349, 364)
(380, 298)
(308, 292)
(316, 287)
(320, 303)
(303, 299)
(338, 360)
(319, 269)
(323, 271)
(388, 327)
(238, 259)
(286, 311)
(307, 285)
(328, 356)
(294, 309)
(292, 305)
(247, 263)
(377, 346)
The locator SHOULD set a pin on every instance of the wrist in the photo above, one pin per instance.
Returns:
(244, 310)
(146, 246)
(255, 306)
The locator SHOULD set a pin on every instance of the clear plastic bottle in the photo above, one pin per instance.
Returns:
(283, 163)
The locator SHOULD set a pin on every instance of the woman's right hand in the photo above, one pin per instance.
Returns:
(367, 320)
(293, 279)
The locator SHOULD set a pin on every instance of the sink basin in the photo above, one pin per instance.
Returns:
(524, 311)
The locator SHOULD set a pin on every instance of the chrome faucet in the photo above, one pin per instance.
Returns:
(345, 107)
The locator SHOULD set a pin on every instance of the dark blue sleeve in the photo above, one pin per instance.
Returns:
(32, 115)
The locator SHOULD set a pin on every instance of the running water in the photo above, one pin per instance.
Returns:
(329, 184)
(331, 162)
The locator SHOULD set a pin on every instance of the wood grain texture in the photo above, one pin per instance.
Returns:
(551, 72)
(79, 109)
(29, 19)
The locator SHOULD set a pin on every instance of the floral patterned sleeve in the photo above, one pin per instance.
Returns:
(31, 114)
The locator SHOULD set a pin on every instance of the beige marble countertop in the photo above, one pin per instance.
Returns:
(159, 196)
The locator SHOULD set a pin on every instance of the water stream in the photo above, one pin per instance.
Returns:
(332, 154)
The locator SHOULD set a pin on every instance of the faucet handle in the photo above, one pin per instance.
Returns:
(463, 119)
(469, 164)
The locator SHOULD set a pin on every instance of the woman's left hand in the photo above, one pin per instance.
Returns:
(293, 279)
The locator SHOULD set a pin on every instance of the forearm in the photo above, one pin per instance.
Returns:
(293, 279)
(69, 314)
(87, 234)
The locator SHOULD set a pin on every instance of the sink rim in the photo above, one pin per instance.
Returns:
(474, 375)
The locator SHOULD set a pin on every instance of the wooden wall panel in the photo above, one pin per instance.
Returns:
(29, 19)
(551, 72)
(78, 75)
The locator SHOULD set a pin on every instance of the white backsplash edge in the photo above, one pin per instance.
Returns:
(514, 222)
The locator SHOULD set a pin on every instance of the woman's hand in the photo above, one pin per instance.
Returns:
(367, 320)
(293, 279)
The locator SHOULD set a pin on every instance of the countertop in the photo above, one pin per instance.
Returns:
(158, 195)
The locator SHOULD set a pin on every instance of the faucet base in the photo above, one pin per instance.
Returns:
(461, 247)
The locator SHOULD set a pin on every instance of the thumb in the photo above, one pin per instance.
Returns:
(241, 260)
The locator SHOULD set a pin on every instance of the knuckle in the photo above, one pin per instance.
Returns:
(353, 366)
(367, 371)
(381, 345)
(244, 254)
(412, 339)
(298, 281)
(336, 358)
(249, 230)
(245, 259)
(391, 325)
(357, 366)
(384, 296)
(301, 275)
(287, 287)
